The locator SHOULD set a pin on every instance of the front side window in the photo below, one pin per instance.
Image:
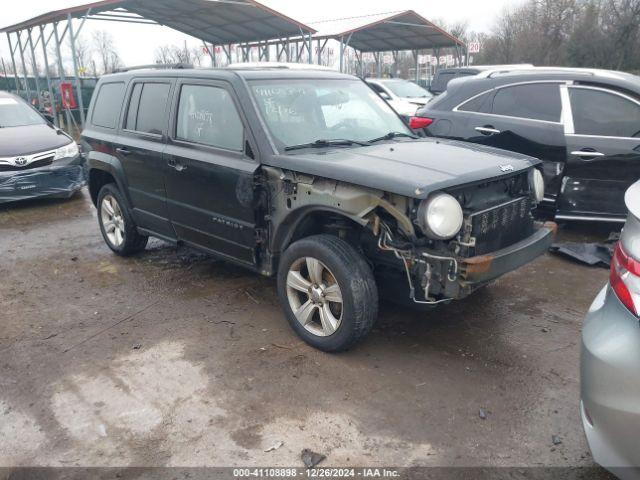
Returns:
(108, 103)
(208, 116)
(147, 108)
(536, 101)
(605, 114)
(300, 111)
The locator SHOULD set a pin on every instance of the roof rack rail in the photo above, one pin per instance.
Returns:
(541, 70)
(168, 66)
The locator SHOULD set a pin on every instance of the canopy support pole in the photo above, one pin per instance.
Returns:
(61, 69)
(417, 63)
(72, 39)
(46, 71)
(24, 68)
(34, 65)
(13, 64)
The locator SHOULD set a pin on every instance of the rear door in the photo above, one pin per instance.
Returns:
(524, 118)
(603, 146)
(140, 150)
(209, 174)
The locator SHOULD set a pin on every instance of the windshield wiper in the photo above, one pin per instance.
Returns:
(336, 142)
(392, 135)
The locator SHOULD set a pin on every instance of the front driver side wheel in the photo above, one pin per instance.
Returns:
(328, 292)
(116, 223)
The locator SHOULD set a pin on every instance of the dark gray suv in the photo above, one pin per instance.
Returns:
(310, 176)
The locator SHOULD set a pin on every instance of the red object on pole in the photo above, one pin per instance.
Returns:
(66, 92)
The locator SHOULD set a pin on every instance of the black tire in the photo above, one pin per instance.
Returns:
(132, 241)
(359, 306)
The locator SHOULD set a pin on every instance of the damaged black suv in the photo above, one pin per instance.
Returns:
(310, 176)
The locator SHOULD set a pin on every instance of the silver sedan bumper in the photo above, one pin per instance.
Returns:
(610, 385)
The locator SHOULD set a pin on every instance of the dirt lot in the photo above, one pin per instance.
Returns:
(173, 358)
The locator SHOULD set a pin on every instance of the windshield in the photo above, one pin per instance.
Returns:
(15, 113)
(303, 111)
(405, 89)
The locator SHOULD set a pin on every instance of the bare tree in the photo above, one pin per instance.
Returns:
(170, 54)
(84, 54)
(103, 44)
(582, 33)
(164, 55)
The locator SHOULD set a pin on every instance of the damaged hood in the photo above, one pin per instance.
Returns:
(15, 141)
(410, 168)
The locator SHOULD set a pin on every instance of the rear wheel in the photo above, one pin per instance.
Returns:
(116, 223)
(328, 292)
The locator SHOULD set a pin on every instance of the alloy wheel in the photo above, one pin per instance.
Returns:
(314, 296)
(112, 220)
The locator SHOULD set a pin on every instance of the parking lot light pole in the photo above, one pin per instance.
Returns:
(13, 64)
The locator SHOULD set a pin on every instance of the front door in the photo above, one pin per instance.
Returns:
(603, 148)
(524, 118)
(140, 151)
(208, 176)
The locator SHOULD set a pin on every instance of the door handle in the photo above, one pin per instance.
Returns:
(587, 153)
(487, 130)
(176, 165)
(123, 151)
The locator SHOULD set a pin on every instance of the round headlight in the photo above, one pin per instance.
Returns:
(440, 216)
(538, 185)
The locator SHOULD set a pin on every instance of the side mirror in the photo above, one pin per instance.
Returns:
(385, 95)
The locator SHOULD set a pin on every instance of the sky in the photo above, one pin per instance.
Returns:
(136, 43)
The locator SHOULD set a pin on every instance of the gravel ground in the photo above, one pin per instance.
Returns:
(173, 358)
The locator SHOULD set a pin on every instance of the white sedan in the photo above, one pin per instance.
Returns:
(405, 97)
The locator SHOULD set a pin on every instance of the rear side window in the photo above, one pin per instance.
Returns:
(538, 101)
(604, 114)
(208, 116)
(480, 104)
(108, 103)
(147, 108)
(441, 81)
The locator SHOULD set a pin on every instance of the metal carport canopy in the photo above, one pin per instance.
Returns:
(220, 22)
(405, 30)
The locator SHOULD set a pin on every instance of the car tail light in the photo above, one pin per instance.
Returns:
(625, 279)
(416, 123)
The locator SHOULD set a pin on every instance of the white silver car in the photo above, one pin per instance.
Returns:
(610, 363)
(404, 97)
